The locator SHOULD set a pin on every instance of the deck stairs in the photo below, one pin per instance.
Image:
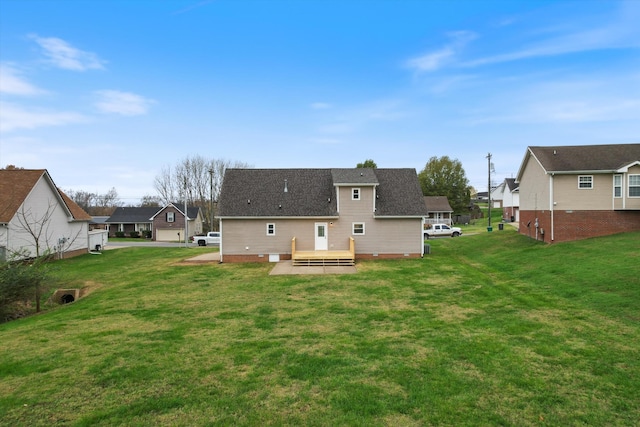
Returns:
(323, 258)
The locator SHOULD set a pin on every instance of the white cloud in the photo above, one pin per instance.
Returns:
(437, 59)
(12, 83)
(320, 105)
(63, 55)
(125, 103)
(620, 31)
(15, 117)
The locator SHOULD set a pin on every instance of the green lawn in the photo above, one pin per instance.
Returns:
(490, 329)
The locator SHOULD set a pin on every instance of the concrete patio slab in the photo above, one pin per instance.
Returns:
(286, 267)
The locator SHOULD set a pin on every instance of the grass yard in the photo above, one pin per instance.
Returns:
(490, 329)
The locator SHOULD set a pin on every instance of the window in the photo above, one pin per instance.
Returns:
(585, 182)
(271, 229)
(171, 216)
(617, 185)
(634, 185)
(358, 228)
(355, 194)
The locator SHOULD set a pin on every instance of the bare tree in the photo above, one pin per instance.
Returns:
(36, 231)
(150, 201)
(196, 179)
(94, 203)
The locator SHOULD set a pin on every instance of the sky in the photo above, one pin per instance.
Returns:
(105, 94)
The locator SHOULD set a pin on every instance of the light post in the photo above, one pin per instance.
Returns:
(489, 228)
(211, 197)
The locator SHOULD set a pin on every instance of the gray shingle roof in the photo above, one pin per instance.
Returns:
(437, 204)
(132, 215)
(586, 157)
(354, 176)
(311, 192)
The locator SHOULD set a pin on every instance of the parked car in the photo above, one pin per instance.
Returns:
(435, 230)
(211, 238)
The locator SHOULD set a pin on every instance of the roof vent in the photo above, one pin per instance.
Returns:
(286, 189)
(554, 152)
(361, 174)
(248, 201)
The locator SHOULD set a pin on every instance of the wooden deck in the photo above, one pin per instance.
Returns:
(335, 257)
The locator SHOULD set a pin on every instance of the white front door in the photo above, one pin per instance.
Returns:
(322, 239)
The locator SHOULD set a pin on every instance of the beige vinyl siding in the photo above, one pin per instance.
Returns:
(630, 202)
(567, 195)
(534, 187)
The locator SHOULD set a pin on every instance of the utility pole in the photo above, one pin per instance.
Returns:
(186, 217)
(489, 228)
(211, 197)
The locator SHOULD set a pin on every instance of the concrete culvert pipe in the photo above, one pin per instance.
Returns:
(67, 298)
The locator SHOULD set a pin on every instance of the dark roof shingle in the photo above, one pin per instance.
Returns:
(311, 192)
(579, 158)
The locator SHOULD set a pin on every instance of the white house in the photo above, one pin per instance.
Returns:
(37, 218)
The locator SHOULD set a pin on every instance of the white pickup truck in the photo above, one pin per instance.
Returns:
(435, 230)
(211, 238)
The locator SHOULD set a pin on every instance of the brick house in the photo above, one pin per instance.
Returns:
(164, 223)
(576, 192)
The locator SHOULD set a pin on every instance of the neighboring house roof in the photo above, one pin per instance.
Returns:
(99, 219)
(132, 215)
(311, 192)
(192, 212)
(142, 214)
(15, 186)
(583, 158)
(437, 204)
(511, 184)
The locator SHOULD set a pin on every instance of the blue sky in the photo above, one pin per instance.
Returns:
(106, 93)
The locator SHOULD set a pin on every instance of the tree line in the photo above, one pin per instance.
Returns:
(198, 180)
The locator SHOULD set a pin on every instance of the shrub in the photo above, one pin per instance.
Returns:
(119, 233)
(134, 234)
(146, 234)
(20, 283)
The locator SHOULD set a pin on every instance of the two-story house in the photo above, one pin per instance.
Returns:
(377, 213)
(575, 192)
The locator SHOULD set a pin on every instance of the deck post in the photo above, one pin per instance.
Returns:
(293, 248)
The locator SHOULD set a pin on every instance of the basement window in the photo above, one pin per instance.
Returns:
(634, 185)
(585, 182)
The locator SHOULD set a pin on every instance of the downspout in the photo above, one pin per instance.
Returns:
(220, 247)
(551, 205)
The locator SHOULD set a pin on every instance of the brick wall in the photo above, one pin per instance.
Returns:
(160, 221)
(576, 225)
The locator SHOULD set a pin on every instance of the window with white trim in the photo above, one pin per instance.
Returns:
(171, 216)
(617, 185)
(585, 182)
(355, 194)
(357, 228)
(271, 229)
(634, 185)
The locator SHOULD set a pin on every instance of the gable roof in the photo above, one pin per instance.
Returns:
(192, 211)
(582, 158)
(15, 186)
(437, 204)
(511, 184)
(142, 214)
(131, 214)
(312, 192)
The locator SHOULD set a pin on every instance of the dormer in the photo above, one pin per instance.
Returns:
(354, 186)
